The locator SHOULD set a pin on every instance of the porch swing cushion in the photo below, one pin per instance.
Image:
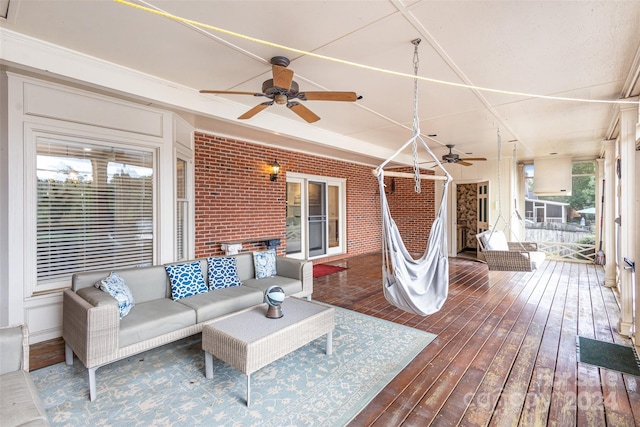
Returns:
(495, 241)
(501, 255)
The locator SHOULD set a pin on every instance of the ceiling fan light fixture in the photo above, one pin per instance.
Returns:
(280, 99)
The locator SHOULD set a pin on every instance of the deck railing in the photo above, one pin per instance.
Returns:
(576, 252)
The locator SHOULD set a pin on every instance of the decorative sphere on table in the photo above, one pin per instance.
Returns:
(274, 297)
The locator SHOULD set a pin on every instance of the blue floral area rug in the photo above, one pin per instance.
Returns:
(167, 387)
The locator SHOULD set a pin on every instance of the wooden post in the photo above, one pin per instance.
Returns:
(410, 175)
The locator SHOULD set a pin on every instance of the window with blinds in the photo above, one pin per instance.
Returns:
(95, 208)
(182, 210)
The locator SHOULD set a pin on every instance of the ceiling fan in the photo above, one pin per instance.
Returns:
(281, 89)
(451, 157)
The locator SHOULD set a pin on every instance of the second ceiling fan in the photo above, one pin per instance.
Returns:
(281, 89)
(451, 157)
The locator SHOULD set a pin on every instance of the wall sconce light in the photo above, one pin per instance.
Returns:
(275, 170)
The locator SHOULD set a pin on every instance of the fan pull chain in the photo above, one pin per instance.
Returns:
(416, 121)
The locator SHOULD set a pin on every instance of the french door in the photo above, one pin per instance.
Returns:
(315, 224)
(317, 218)
(483, 207)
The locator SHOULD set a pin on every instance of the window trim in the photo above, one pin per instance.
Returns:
(189, 237)
(32, 134)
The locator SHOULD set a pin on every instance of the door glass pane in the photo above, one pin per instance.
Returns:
(317, 218)
(334, 215)
(294, 231)
(482, 217)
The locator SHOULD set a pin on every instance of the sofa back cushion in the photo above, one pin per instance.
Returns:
(11, 349)
(245, 266)
(145, 283)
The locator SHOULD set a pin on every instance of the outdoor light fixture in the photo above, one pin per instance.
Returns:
(275, 170)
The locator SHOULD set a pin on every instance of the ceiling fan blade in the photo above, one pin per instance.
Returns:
(303, 112)
(255, 110)
(474, 159)
(328, 96)
(282, 77)
(463, 163)
(231, 92)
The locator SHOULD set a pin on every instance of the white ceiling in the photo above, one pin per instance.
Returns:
(576, 49)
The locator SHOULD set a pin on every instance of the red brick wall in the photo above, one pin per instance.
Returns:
(235, 199)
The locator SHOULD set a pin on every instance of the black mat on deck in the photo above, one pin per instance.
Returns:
(608, 355)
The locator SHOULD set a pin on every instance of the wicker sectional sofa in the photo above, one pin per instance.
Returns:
(20, 404)
(95, 333)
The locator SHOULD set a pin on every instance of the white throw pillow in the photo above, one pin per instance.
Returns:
(264, 263)
(497, 242)
(115, 286)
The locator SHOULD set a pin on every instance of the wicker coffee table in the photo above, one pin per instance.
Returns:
(248, 340)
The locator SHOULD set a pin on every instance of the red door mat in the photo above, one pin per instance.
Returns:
(320, 270)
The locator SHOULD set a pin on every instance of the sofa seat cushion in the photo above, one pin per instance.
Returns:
(222, 301)
(19, 401)
(289, 285)
(152, 319)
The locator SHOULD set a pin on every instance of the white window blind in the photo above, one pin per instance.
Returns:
(95, 208)
(182, 205)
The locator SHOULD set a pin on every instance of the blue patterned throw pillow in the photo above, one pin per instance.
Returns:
(186, 280)
(115, 286)
(264, 263)
(223, 272)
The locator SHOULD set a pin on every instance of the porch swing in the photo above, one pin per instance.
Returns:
(500, 254)
(419, 286)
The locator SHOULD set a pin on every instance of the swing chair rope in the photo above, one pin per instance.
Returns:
(507, 224)
(500, 216)
(379, 171)
(416, 121)
(515, 183)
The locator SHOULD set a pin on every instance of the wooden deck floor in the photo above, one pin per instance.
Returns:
(505, 354)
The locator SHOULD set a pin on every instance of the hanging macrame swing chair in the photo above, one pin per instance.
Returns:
(419, 286)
